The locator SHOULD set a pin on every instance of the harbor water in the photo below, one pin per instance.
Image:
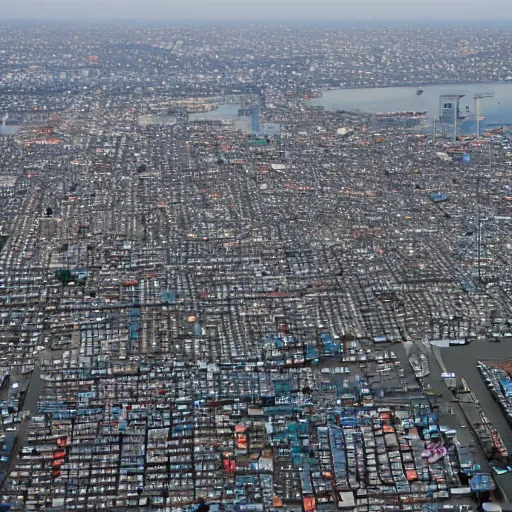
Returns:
(225, 111)
(463, 360)
(497, 110)
(9, 129)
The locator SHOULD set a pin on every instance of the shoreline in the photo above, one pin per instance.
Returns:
(411, 86)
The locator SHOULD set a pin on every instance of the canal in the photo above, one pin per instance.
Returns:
(462, 361)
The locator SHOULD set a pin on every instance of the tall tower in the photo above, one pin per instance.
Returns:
(255, 120)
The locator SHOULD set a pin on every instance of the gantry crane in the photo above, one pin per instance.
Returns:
(478, 108)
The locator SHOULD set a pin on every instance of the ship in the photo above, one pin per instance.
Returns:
(407, 118)
(419, 91)
(419, 365)
(421, 114)
(486, 435)
(499, 384)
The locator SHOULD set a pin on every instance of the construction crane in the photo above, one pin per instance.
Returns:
(449, 110)
(478, 108)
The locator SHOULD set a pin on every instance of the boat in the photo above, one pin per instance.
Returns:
(407, 118)
(419, 365)
(499, 384)
(487, 436)
(419, 91)
(413, 114)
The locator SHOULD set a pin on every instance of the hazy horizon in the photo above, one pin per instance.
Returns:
(440, 10)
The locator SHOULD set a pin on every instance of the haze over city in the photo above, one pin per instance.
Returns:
(262, 9)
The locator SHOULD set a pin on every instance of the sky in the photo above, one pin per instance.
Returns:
(258, 9)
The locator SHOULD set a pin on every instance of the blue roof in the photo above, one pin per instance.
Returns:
(482, 482)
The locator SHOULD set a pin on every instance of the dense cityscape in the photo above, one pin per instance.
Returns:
(218, 294)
